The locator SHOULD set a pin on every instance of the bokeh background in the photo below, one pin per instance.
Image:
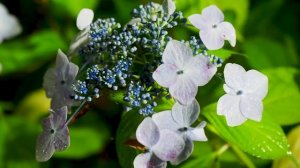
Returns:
(268, 37)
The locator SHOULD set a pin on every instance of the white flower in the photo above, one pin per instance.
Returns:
(58, 81)
(182, 72)
(213, 29)
(9, 24)
(162, 145)
(55, 135)
(84, 19)
(180, 120)
(244, 94)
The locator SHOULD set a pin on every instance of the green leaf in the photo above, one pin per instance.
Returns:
(265, 53)
(126, 130)
(85, 141)
(282, 101)
(73, 7)
(263, 139)
(29, 54)
(222, 53)
(294, 159)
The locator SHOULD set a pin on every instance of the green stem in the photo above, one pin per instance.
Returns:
(245, 159)
(76, 112)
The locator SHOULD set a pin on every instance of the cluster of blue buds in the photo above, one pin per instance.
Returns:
(138, 97)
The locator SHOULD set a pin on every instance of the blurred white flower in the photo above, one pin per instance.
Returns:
(169, 7)
(9, 24)
(55, 135)
(84, 19)
(213, 29)
(244, 94)
(180, 120)
(58, 81)
(182, 72)
(162, 145)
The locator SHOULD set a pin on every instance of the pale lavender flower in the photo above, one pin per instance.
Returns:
(245, 91)
(55, 135)
(58, 81)
(180, 120)
(162, 145)
(213, 29)
(182, 72)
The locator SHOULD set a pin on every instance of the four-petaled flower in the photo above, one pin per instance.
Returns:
(58, 81)
(182, 72)
(244, 94)
(180, 120)
(213, 29)
(55, 135)
(162, 145)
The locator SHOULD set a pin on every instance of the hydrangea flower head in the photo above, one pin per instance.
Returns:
(180, 120)
(182, 72)
(245, 91)
(55, 135)
(10, 25)
(162, 145)
(213, 30)
(58, 81)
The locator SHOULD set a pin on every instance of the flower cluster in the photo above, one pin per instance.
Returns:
(144, 63)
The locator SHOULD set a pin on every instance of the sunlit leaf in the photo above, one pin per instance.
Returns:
(263, 139)
(33, 106)
(294, 141)
(282, 101)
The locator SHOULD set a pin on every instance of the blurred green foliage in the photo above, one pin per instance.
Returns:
(268, 40)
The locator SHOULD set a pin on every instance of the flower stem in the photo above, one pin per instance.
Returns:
(76, 112)
(245, 159)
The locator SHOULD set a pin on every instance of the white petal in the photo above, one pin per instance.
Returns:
(229, 106)
(49, 82)
(60, 117)
(44, 147)
(148, 160)
(251, 107)
(213, 14)
(186, 153)
(71, 72)
(147, 133)
(165, 75)
(176, 53)
(164, 120)
(197, 134)
(10, 25)
(186, 115)
(169, 145)
(234, 75)
(169, 7)
(256, 84)
(61, 61)
(228, 32)
(62, 139)
(200, 70)
(212, 39)
(199, 22)
(84, 18)
(184, 89)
